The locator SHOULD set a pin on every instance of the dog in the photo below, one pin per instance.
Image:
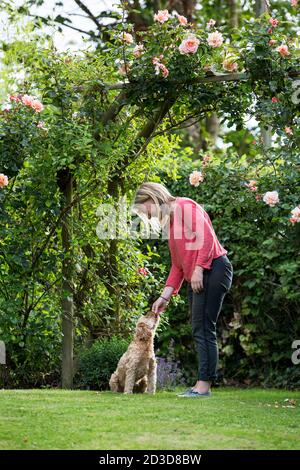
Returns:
(136, 370)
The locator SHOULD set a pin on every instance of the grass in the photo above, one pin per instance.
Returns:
(230, 419)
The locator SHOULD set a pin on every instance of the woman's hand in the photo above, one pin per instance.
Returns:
(197, 279)
(159, 305)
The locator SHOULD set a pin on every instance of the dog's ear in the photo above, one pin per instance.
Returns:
(142, 332)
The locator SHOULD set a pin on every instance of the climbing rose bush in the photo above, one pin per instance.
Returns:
(173, 56)
(173, 36)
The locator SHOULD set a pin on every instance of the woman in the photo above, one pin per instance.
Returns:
(197, 257)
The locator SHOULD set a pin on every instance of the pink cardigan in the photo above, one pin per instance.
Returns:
(192, 241)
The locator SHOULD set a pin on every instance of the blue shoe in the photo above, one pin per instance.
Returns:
(190, 393)
(185, 391)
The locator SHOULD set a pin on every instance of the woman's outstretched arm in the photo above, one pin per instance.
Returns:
(161, 303)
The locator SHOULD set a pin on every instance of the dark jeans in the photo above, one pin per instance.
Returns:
(205, 308)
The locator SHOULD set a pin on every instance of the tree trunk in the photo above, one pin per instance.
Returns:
(261, 6)
(233, 13)
(212, 124)
(65, 182)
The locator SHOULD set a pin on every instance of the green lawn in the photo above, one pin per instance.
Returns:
(230, 419)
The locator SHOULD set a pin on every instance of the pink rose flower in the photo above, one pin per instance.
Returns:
(137, 51)
(27, 100)
(182, 19)
(189, 45)
(272, 42)
(288, 130)
(211, 23)
(3, 180)
(283, 50)
(296, 213)
(275, 99)
(127, 37)
(230, 65)
(164, 70)
(161, 16)
(271, 198)
(205, 161)
(37, 106)
(15, 98)
(143, 271)
(159, 66)
(252, 185)
(215, 39)
(195, 178)
(273, 22)
(294, 3)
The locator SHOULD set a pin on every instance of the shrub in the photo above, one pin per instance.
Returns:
(97, 362)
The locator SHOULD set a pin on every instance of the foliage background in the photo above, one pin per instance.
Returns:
(260, 316)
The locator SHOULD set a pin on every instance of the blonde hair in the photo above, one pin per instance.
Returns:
(155, 191)
(161, 197)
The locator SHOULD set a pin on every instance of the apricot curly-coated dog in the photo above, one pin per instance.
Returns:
(136, 370)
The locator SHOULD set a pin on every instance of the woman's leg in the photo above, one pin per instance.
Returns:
(197, 306)
(206, 307)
